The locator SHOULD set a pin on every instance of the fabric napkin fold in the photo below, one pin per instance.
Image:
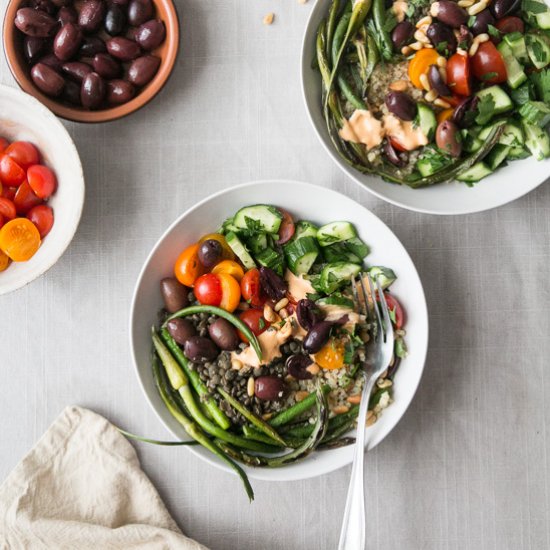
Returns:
(82, 487)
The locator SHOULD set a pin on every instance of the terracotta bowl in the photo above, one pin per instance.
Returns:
(167, 51)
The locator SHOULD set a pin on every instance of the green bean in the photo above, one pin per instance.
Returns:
(331, 23)
(251, 417)
(284, 417)
(334, 423)
(336, 444)
(208, 403)
(322, 58)
(155, 441)
(250, 432)
(379, 18)
(373, 55)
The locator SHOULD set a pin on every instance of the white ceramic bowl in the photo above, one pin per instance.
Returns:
(303, 201)
(24, 118)
(505, 185)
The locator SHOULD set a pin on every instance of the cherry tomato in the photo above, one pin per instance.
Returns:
(453, 100)
(231, 292)
(187, 268)
(396, 145)
(11, 173)
(7, 208)
(420, 64)
(25, 154)
(446, 114)
(25, 199)
(251, 288)
(488, 65)
(2, 221)
(4, 260)
(395, 310)
(42, 180)
(42, 217)
(286, 230)
(509, 24)
(19, 239)
(3, 144)
(208, 290)
(458, 74)
(227, 252)
(9, 192)
(230, 267)
(255, 321)
(331, 355)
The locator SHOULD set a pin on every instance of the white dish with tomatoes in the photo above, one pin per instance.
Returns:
(432, 97)
(257, 342)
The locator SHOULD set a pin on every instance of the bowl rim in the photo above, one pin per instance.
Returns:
(351, 173)
(104, 115)
(256, 473)
(54, 121)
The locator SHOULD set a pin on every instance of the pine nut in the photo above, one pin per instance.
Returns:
(416, 46)
(425, 82)
(371, 418)
(477, 8)
(269, 314)
(424, 21)
(283, 302)
(483, 37)
(354, 399)
(340, 409)
(430, 96)
(429, 46)
(406, 50)
(236, 364)
(283, 313)
(443, 73)
(250, 387)
(267, 416)
(268, 19)
(473, 49)
(313, 369)
(465, 3)
(421, 37)
(398, 85)
(300, 395)
(441, 103)
(384, 383)
(434, 9)
(441, 62)
(462, 52)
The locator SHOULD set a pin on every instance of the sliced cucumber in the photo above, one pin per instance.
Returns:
(260, 217)
(258, 242)
(500, 98)
(512, 134)
(518, 153)
(357, 247)
(335, 232)
(426, 120)
(537, 141)
(335, 275)
(385, 275)
(227, 226)
(497, 156)
(240, 250)
(477, 172)
(535, 112)
(340, 301)
(269, 257)
(543, 20)
(515, 76)
(522, 94)
(516, 41)
(305, 229)
(338, 252)
(301, 254)
(538, 49)
(470, 142)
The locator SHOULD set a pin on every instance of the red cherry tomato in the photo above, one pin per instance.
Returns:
(286, 230)
(458, 75)
(24, 153)
(42, 180)
(8, 192)
(25, 199)
(396, 145)
(251, 289)
(42, 217)
(2, 222)
(396, 311)
(254, 320)
(208, 290)
(11, 173)
(488, 65)
(509, 24)
(7, 209)
(3, 144)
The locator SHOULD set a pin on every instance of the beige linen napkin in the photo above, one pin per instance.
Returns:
(82, 487)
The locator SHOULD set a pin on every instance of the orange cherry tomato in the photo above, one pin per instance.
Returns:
(488, 65)
(255, 321)
(187, 268)
(42, 217)
(230, 267)
(458, 74)
(331, 355)
(42, 180)
(7, 208)
(420, 64)
(446, 114)
(25, 154)
(208, 290)
(19, 239)
(11, 173)
(227, 252)
(231, 292)
(4, 261)
(24, 199)
(251, 288)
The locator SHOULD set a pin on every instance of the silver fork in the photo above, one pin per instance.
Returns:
(380, 352)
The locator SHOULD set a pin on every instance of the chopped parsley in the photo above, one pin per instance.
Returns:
(471, 20)
(414, 5)
(261, 323)
(538, 51)
(533, 7)
(542, 85)
(493, 31)
(485, 109)
(489, 76)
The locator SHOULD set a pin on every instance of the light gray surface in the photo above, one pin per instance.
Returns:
(467, 466)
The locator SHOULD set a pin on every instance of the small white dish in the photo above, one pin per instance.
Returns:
(22, 117)
(505, 185)
(303, 201)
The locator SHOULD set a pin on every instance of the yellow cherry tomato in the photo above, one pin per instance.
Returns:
(420, 64)
(187, 268)
(4, 261)
(19, 239)
(231, 268)
(445, 115)
(231, 292)
(331, 355)
(227, 252)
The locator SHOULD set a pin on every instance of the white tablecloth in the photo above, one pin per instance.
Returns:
(466, 468)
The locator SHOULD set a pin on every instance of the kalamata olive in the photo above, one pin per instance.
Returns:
(297, 365)
(106, 66)
(44, 5)
(62, 3)
(33, 47)
(35, 22)
(77, 70)
(47, 79)
(308, 313)
(151, 34)
(115, 20)
(91, 15)
(442, 37)
(317, 336)
(52, 62)
(436, 81)
(174, 294)
(464, 37)
(501, 8)
(119, 91)
(447, 138)
(451, 14)
(210, 251)
(402, 34)
(93, 91)
(181, 330)
(71, 92)
(401, 105)
(269, 388)
(199, 349)
(67, 41)
(393, 156)
(67, 14)
(224, 334)
(272, 285)
(143, 69)
(92, 45)
(140, 11)
(122, 48)
(120, 2)
(468, 104)
(482, 21)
